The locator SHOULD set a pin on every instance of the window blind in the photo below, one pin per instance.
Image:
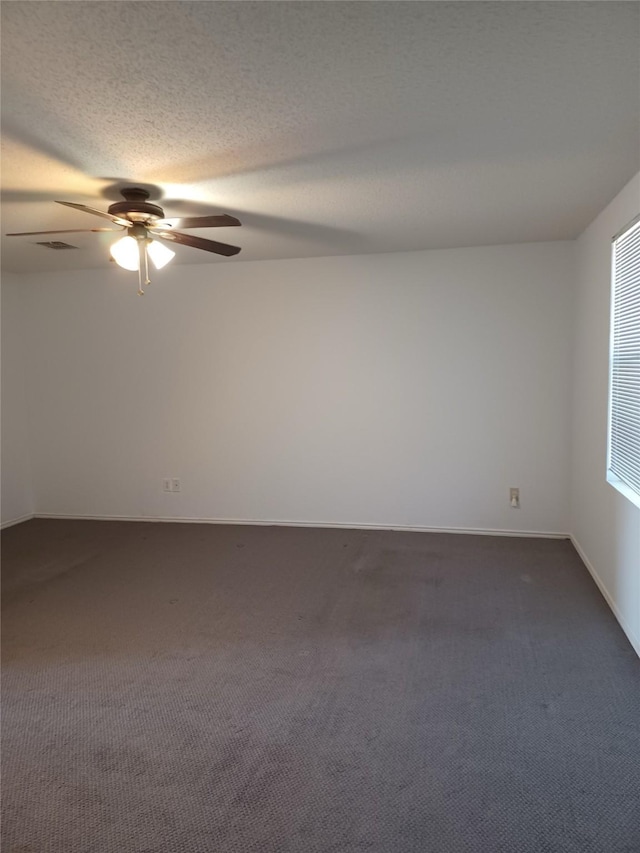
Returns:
(624, 408)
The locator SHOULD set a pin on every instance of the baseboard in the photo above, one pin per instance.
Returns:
(635, 641)
(13, 521)
(324, 524)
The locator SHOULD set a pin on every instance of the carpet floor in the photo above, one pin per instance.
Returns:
(178, 688)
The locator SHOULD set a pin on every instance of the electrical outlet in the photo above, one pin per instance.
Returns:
(166, 485)
(175, 484)
(514, 498)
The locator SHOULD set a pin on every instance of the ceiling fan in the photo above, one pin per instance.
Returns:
(144, 221)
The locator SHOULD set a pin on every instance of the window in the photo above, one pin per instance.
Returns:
(623, 462)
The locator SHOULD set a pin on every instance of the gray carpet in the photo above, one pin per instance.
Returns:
(191, 688)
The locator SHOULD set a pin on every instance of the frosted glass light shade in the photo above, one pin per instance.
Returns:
(159, 254)
(125, 253)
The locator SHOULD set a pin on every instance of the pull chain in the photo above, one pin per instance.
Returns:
(146, 265)
(141, 254)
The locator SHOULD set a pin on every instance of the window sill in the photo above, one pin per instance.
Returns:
(623, 489)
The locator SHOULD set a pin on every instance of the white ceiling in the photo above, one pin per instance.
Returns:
(326, 127)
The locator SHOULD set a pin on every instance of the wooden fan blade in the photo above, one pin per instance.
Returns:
(220, 221)
(119, 220)
(63, 231)
(197, 242)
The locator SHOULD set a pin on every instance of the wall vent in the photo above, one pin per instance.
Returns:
(56, 244)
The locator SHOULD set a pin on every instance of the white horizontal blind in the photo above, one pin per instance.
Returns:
(624, 408)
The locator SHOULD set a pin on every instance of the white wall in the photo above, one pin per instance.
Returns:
(17, 495)
(395, 389)
(605, 525)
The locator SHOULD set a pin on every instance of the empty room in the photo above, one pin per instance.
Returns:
(320, 427)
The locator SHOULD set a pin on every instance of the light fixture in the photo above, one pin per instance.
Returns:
(125, 253)
(133, 252)
(159, 254)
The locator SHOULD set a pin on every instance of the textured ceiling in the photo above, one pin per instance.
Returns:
(327, 127)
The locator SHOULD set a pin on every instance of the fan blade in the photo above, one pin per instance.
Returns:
(220, 221)
(119, 220)
(197, 242)
(63, 231)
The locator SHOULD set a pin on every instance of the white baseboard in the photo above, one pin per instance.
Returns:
(635, 641)
(323, 524)
(13, 521)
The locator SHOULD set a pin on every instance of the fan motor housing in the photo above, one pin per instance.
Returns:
(136, 208)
